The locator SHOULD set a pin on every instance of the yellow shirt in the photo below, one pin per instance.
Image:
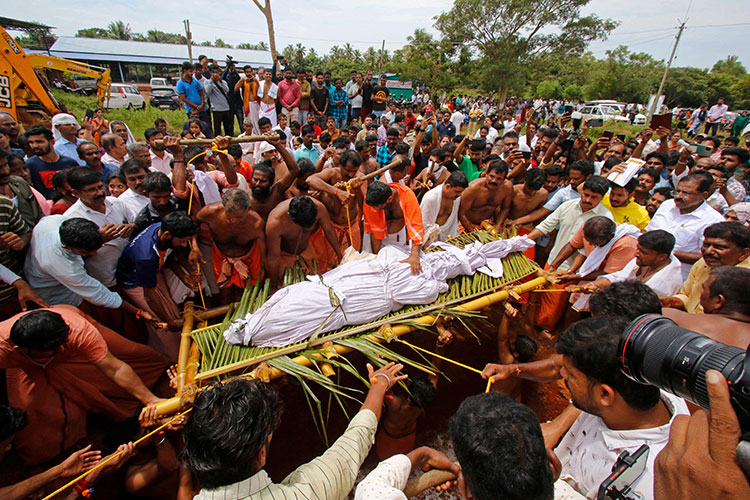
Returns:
(690, 293)
(632, 213)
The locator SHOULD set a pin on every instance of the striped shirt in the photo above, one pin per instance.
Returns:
(329, 477)
(10, 222)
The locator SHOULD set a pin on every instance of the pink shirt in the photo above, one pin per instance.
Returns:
(289, 93)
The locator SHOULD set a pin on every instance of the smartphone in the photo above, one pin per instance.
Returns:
(693, 148)
(608, 134)
(428, 113)
(622, 137)
(596, 122)
(664, 120)
(702, 150)
(526, 155)
(89, 113)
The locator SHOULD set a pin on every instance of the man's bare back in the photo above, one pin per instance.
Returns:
(234, 235)
(715, 326)
(523, 204)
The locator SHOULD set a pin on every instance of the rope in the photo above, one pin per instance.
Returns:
(348, 217)
(115, 455)
(470, 368)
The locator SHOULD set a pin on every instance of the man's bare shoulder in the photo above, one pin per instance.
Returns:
(210, 211)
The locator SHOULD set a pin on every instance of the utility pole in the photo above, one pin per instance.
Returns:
(666, 70)
(188, 37)
(380, 61)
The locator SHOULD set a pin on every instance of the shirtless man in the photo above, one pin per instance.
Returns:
(433, 175)
(440, 205)
(331, 183)
(726, 308)
(487, 198)
(300, 187)
(364, 149)
(529, 196)
(392, 217)
(239, 246)
(266, 193)
(268, 92)
(290, 229)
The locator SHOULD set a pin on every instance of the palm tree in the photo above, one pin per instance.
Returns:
(119, 30)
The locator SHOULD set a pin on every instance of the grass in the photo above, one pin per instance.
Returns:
(137, 120)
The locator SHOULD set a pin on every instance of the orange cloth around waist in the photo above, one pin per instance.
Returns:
(236, 271)
(342, 233)
(551, 307)
(376, 224)
(317, 258)
(389, 442)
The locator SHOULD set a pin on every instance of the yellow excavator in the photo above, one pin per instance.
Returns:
(23, 91)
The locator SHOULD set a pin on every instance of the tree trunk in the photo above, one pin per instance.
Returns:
(503, 94)
(266, 10)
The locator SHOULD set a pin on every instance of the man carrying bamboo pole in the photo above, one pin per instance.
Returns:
(239, 245)
(487, 199)
(267, 192)
(298, 228)
(342, 195)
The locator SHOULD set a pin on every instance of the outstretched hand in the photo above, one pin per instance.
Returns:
(80, 461)
(386, 375)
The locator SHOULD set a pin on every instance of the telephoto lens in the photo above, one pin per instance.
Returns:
(655, 351)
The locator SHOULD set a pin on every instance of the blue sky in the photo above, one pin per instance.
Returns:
(646, 25)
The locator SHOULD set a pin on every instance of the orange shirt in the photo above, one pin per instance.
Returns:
(622, 251)
(376, 224)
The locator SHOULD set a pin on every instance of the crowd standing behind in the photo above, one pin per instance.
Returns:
(103, 236)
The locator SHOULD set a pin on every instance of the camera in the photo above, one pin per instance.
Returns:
(654, 350)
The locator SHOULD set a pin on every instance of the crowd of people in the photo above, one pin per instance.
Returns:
(104, 236)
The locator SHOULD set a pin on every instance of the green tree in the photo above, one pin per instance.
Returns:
(625, 76)
(549, 89)
(507, 34)
(686, 87)
(119, 30)
(424, 59)
(158, 36)
(741, 91)
(253, 46)
(731, 66)
(92, 33)
(573, 92)
(221, 43)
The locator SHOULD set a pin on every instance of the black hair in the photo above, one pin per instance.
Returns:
(526, 349)
(179, 224)
(12, 420)
(477, 145)
(303, 211)
(80, 177)
(629, 299)
(392, 131)
(190, 153)
(229, 425)
(82, 145)
(307, 129)
(510, 133)
(591, 345)
(499, 444)
(157, 182)
(535, 178)
(40, 330)
(114, 175)
(39, 130)
(263, 120)
(554, 170)
(340, 143)
(596, 184)
(719, 168)
(629, 186)
(498, 166)
(265, 167)
(660, 155)
(306, 166)
(715, 140)
(324, 137)
(651, 172)
(402, 148)
(657, 240)
(665, 191)
(611, 163)
(421, 392)
(731, 282)
(599, 228)
(361, 145)
(732, 139)
(186, 65)
(132, 166)
(732, 231)
(457, 179)
(583, 166)
(438, 153)
(59, 179)
(550, 133)
(235, 150)
(704, 179)
(378, 193)
(150, 132)
(159, 121)
(741, 153)
(350, 156)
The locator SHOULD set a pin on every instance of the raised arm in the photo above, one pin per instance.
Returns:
(292, 169)
(458, 154)
(227, 167)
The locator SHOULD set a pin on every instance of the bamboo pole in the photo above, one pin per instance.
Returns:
(170, 406)
(381, 170)
(429, 479)
(211, 313)
(232, 140)
(185, 340)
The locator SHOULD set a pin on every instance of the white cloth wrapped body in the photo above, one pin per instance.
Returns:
(365, 290)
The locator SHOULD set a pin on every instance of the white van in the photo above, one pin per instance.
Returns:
(159, 82)
(603, 111)
(123, 95)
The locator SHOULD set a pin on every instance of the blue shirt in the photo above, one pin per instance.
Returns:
(192, 91)
(42, 172)
(561, 196)
(139, 262)
(384, 156)
(64, 147)
(311, 154)
(446, 130)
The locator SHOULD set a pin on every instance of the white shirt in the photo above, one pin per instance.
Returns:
(430, 207)
(111, 160)
(509, 125)
(718, 202)
(133, 203)
(58, 274)
(665, 282)
(457, 119)
(161, 164)
(687, 229)
(102, 265)
(589, 450)
(568, 219)
(716, 112)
